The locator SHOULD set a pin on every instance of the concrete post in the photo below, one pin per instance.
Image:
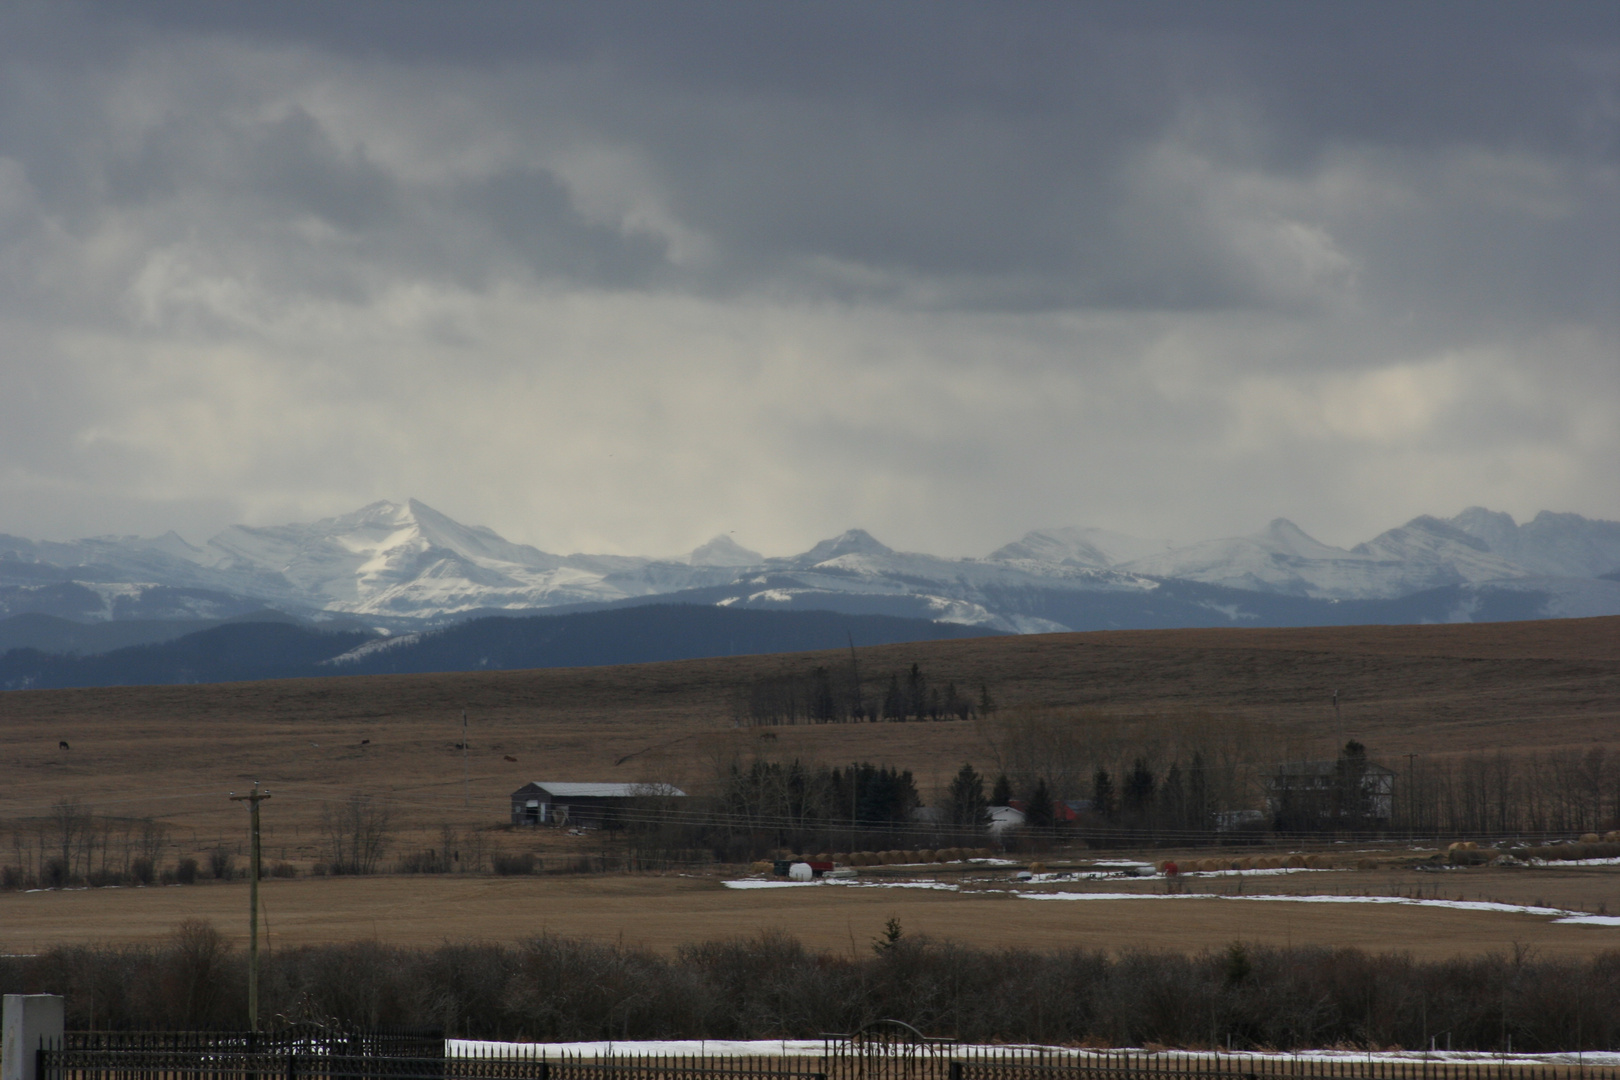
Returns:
(27, 1019)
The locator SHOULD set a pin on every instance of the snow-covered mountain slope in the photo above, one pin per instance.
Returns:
(1283, 559)
(396, 563)
(1425, 553)
(1080, 547)
(723, 551)
(1561, 545)
(410, 560)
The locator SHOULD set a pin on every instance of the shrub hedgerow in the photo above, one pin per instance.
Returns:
(770, 985)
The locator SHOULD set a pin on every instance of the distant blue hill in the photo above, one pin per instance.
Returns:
(266, 650)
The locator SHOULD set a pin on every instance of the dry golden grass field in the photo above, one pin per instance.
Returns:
(662, 911)
(174, 752)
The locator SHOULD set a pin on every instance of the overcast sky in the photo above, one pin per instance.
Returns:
(619, 277)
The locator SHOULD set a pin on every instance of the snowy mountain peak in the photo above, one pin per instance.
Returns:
(1447, 531)
(1563, 545)
(409, 560)
(1286, 538)
(723, 551)
(853, 542)
(1497, 530)
(1078, 547)
(1052, 546)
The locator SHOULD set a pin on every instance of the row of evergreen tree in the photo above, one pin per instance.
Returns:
(837, 694)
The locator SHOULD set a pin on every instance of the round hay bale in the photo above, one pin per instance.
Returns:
(893, 858)
(1246, 863)
(1037, 868)
(984, 853)
(860, 858)
(840, 858)
(822, 856)
(951, 855)
(1590, 838)
(1315, 862)
(759, 868)
(1295, 862)
(1612, 836)
(1366, 864)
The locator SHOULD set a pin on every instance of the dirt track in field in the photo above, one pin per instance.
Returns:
(662, 912)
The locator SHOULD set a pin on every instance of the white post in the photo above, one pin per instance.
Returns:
(27, 1019)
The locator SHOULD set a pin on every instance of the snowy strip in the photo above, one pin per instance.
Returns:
(816, 1047)
(1558, 914)
(652, 1048)
(754, 883)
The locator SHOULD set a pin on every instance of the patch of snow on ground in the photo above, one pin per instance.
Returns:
(668, 1048)
(1560, 914)
(774, 883)
(816, 1047)
(1259, 873)
(767, 883)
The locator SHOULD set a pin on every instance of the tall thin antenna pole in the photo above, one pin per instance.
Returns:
(466, 781)
(253, 799)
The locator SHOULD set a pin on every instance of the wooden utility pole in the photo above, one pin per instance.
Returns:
(466, 777)
(253, 799)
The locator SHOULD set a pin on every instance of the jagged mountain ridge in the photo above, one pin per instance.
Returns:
(408, 562)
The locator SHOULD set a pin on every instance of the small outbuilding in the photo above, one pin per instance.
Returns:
(549, 802)
(1002, 818)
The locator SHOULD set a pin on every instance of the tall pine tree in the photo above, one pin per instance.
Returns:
(966, 804)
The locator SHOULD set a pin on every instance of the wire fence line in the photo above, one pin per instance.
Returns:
(419, 1056)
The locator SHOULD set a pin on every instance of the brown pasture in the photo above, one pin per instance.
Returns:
(174, 752)
(661, 912)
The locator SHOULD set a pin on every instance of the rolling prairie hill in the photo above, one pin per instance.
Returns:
(174, 751)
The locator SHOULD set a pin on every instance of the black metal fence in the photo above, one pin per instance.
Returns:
(300, 1038)
(348, 1055)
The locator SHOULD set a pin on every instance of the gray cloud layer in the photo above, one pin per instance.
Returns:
(622, 276)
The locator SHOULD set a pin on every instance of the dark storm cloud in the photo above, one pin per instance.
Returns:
(987, 154)
(1134, 265)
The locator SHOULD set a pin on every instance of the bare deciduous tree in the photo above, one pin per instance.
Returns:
(356, 832)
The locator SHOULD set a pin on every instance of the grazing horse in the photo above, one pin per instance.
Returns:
(63, 744)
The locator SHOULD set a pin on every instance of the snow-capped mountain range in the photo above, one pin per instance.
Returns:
(392, 564)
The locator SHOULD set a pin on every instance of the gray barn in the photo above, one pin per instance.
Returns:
(547, 802)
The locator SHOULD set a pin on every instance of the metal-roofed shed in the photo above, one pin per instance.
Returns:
(553, 802)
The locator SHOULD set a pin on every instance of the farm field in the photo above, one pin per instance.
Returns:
(172, 752)
(662, 912)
